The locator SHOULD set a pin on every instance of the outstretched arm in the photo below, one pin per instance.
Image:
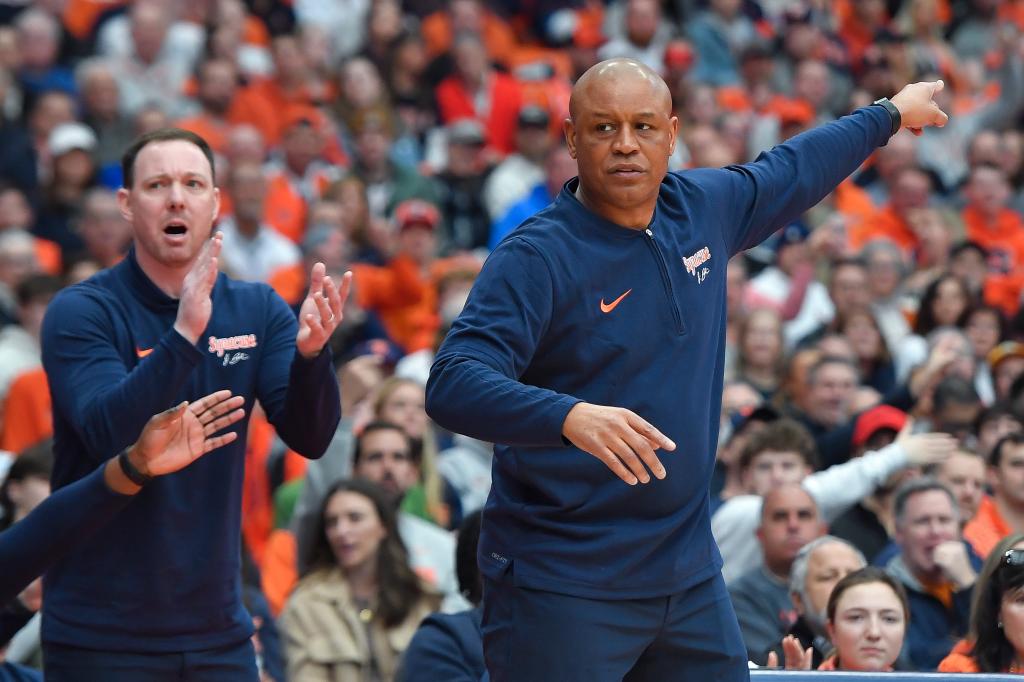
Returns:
(169, 442)
(792, 177)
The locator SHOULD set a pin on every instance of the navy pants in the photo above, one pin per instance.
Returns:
(535, 636)
(232, 663)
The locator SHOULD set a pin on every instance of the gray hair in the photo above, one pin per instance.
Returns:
(89, 68)
(798, 572)
(888, 247)
(915, 486)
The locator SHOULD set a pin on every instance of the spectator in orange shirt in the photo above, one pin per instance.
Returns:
(225, 102)
(470, 16)
(294, 81)
(911, 190)
(1002, 513)
(477, 90)
(992, 224)
(303, 175)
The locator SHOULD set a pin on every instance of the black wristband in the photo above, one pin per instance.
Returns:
(134, 475)
(895, 118)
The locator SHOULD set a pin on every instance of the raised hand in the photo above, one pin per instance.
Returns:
(797, 658)
(177, 437)
(320, 313)
(917, 106)
(925, 448)
(194, 305)
(619, 438)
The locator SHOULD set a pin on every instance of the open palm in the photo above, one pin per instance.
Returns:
(177, 437)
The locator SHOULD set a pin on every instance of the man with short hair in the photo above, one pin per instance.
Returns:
(384, 454)
(789, 520)
(160, 327)
(832, 382)
(519, 172)
(1002, 513)
(818, 566)
(955, 407)
(964, 474)
(252, 248)
(935, 567)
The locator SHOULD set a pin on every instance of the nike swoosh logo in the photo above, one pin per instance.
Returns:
(608, 307)
(143, 352)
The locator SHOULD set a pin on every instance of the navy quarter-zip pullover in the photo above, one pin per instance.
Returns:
(163, 576)
(571, 307)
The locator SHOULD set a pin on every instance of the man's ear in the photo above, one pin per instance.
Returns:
(569, 130)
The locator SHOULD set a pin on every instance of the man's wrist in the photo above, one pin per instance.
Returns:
(895, 116)
(186, 334)
(116, 480)
(134, 466)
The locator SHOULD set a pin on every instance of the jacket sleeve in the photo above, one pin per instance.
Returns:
(777, 187)
(300, 396)
(54, 528)
(394, 285)
(841, 486)
(474, 386)
(107, 403)
(300, 663)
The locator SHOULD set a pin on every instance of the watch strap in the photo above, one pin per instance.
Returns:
(134, 475)
(895, 118)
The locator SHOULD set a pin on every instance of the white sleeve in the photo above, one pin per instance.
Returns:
(841, 486)
(734, 526)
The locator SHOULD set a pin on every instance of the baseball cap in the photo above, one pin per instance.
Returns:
(678, 54)
(1007, 349)
(877, 418)
(532, 115)
(70, 136)
(417, 212)
(794, 233)
(466, 131)
(302, 115)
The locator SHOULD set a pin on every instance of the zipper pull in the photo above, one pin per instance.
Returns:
(649, 233)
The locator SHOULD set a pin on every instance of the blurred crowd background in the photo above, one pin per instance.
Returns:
(404, 139)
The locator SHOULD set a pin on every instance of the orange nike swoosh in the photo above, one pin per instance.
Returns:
(608, 307)
(143, 352)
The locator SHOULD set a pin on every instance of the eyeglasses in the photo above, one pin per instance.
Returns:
(1013, 557)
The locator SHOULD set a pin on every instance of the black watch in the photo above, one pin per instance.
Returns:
(895, 118)
(134, 475)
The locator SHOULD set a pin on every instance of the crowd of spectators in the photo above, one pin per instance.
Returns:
(404, 140)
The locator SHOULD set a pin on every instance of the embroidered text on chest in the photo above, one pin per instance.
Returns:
(692, 263)
(229, 343)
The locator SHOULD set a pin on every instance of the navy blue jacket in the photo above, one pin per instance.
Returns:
(446, 646)
(164, 575)
(572, 307)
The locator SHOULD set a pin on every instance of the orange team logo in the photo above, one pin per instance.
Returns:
(142, 352)
(608, 307)
(219, 346)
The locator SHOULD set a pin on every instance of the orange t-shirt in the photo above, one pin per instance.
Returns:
(987, 527)
(884, 223)
(28, 414)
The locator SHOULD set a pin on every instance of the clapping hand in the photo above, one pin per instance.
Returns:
(321, 312)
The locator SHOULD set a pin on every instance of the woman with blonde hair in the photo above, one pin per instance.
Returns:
(401, 401)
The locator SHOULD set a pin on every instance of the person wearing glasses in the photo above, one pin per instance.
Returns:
(996, 641)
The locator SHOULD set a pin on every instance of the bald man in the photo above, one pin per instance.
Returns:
(594, 338)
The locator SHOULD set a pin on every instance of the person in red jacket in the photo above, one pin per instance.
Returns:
(477, 90)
